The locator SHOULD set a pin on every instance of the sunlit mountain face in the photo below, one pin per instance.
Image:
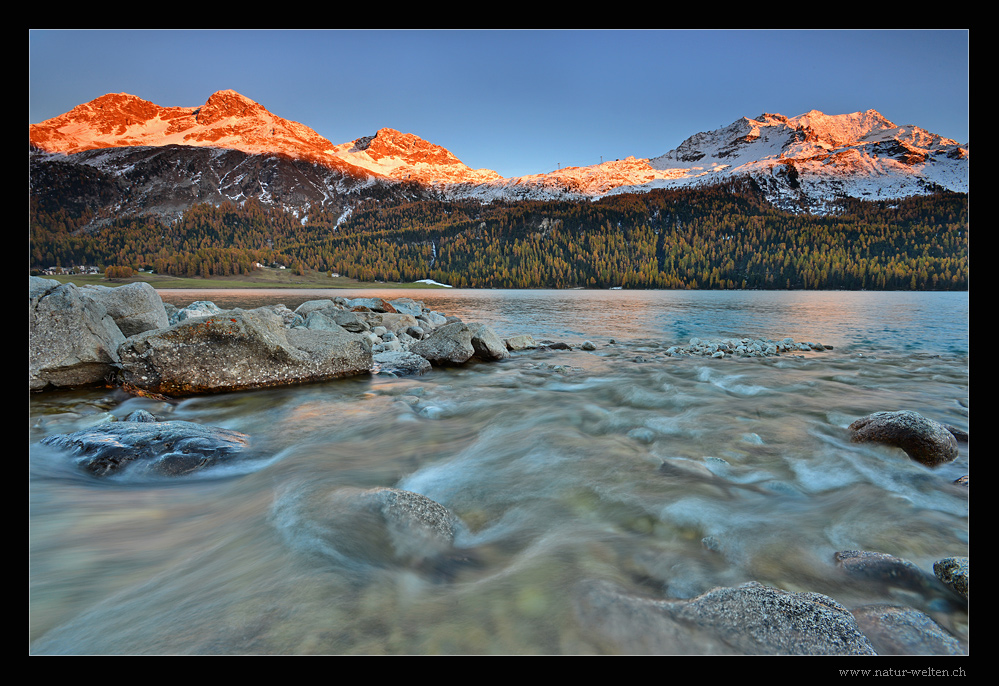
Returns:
(163, 159)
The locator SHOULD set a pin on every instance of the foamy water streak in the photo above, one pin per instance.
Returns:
(666, 476)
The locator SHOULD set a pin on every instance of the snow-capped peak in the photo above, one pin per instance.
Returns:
(800, 162)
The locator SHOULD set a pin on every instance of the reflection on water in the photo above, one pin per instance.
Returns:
(935, 322)
(665, 476)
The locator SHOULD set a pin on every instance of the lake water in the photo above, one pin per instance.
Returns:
(664, 476)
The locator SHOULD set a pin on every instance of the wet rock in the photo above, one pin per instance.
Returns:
(883, 568)
(166, 448)
(953, 571)
(72, 340)
(899, 630)
(924, 440)
(760, 620)
(385, 525)
(959, 434)
(750, 619)
(522, 341)
(135, 307)
(449, 345)
(400, 363)
(238, 350)
(619, 622)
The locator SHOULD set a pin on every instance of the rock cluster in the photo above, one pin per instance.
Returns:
(756, 619)
(83, 336)
(742, 347)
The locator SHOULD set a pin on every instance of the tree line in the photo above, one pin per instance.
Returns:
(721, 237)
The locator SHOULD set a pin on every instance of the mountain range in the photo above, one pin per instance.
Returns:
(120, 154)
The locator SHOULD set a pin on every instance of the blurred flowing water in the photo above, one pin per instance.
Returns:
(665, 476)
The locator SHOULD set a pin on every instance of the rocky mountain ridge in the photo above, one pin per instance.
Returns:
(124, 154)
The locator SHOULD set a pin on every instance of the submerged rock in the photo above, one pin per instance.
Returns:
(750, 619)
(883, 568)
(924, 440)
(385, 525)
(899, 630)
(761, 620)
(166, 448)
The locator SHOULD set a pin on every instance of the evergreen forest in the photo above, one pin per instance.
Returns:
(721, 237)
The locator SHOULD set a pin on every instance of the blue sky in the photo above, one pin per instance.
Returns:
(519, 101)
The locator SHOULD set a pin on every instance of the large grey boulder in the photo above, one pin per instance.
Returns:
(487, 345)
(162, 448)
(448, 345)
(239, 349)
(135, 307)
(924, 440)
(72, 340)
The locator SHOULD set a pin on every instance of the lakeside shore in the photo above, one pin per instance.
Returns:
(259, 278)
